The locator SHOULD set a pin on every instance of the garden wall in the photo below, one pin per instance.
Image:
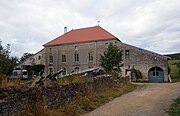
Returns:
(13, 99)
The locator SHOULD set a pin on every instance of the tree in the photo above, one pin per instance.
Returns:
(25, 56)
(7, 63)
(112, 58)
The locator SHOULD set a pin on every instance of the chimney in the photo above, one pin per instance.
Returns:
(65, 29)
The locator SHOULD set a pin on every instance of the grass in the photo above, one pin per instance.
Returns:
(174, 71)
(85, 103)
(5, 82)
(175, 108)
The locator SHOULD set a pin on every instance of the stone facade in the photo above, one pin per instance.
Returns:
(143, 60)
(69, 50)
(36, 59)
(133, 57)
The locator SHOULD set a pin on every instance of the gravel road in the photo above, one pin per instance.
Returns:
(151, 100)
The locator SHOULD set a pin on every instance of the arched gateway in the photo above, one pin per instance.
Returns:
(156, 74)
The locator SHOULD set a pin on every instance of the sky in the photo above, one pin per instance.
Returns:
(149, 24)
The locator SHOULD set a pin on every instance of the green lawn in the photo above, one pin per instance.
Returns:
(174, 70)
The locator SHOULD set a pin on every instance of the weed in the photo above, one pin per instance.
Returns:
(175, 108)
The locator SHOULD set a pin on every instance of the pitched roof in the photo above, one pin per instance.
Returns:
(82, 35)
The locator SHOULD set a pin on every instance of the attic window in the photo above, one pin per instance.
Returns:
(50, 50)
(127, 52)
(76, 48)
(39, 57)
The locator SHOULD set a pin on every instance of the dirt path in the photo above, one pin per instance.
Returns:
(151, 100)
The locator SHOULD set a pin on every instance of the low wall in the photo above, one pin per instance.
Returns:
(13, 100)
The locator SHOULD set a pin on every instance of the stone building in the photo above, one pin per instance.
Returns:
(36, 59)
(80, 49)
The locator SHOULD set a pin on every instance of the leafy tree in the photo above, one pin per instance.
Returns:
(6, 62)
(112, 58)
(25, 56)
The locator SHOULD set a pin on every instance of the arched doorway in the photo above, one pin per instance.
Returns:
(155, 74)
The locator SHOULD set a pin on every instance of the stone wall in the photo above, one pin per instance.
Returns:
(13, 100)
(142, 60)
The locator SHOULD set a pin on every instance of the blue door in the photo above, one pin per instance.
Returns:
(156, 74)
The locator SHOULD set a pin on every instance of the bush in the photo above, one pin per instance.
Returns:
(137, 73)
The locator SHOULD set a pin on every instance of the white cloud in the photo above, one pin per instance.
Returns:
(153, 25)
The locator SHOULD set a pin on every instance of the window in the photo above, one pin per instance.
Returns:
(106, 45)
(90, 56)
(50, 50)
(64, 71)
(63, 58)
(76, 57)
(154, 73)
(25, 73)
(76, 48)
(39, 57)
(50, 59)
(127, 52)
(14, 74)
(50, 70)
(157, 73)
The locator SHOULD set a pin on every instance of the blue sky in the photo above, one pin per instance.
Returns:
(149, 24)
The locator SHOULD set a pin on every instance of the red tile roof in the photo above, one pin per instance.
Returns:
(82, 35)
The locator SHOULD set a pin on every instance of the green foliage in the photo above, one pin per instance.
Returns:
(25, 56)
(112, 58)
(175, 108)
(174, 68)
(137, 73)
(178, 64)
(6, 62)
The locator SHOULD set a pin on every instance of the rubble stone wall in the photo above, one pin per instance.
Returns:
(13, 99)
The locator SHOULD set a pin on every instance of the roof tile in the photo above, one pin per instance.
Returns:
(82, 35)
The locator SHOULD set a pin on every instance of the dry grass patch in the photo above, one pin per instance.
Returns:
(85, 103)
(72, 79)
(7, 83)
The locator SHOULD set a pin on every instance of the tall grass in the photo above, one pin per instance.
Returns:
(5, 82)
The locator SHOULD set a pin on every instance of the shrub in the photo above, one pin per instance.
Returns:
(137, 73)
